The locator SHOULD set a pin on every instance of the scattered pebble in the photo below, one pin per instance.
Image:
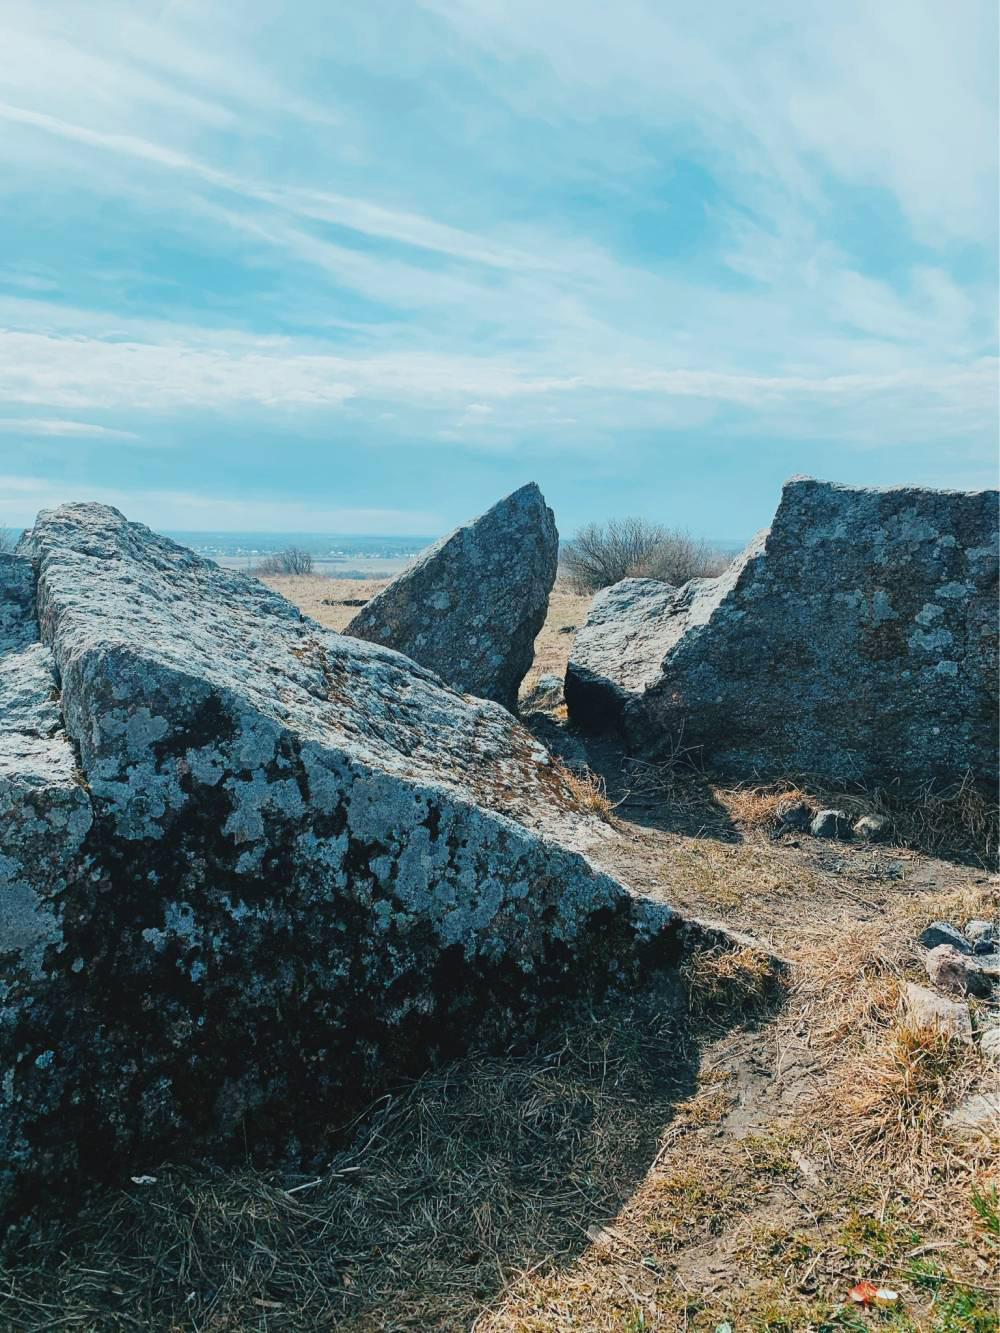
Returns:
(831, 824)
(873, 828)
(940, 932)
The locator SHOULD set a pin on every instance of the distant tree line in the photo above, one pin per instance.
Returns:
(604, 553)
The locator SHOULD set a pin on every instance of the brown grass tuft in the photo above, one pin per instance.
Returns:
(725, 983)
(589, 791)
(957, 820)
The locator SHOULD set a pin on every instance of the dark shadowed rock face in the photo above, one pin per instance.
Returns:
(471, 606)
(856, 639)
(250, 867)
(45, 822)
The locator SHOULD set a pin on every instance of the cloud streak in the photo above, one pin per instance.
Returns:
(499, 232)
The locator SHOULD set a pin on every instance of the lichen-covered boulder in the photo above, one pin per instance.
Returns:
(45, 823)
(617, 655)
(471, 605)
(260, 866)
(856, 639)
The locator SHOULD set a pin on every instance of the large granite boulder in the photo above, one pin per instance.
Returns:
(45, 823)
(250, 867)
(856, 639)
(472, 604)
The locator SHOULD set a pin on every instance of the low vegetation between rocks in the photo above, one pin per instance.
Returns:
(600, 554)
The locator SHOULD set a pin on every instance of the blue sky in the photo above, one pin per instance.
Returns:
(329, 266)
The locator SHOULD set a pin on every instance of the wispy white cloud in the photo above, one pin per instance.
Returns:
(58, 427)
(194, 511)
(489, 394)
(476, 225)
(355, 214)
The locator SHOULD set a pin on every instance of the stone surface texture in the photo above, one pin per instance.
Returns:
(942, 932)
(45, 823)
(831, 824)
(856, 639)
(470, 607)
(932, 1010)
(873, 828)
(977, 1115)
(250, 867)
(957, 972)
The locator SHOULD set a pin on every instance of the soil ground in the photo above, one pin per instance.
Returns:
(733, 1156)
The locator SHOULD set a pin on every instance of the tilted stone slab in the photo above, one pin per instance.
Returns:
(855, 639)
(318, 865)
(471, 606)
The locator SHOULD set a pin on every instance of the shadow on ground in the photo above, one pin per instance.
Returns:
(664, 797)
(430, 1203)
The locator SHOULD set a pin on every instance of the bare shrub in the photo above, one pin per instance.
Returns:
(604, 553)
(678, 557)
(293, 560)
(7, 542)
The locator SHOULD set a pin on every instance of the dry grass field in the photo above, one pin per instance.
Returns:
(733, 1153)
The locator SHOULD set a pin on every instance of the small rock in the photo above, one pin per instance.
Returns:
(546, 693)
(557, 740)
(932, 1010)
(873, 828)
(978, 1114)
(793, 814)
(984, 935)
(831, 824)
(956, 972)
(989, 1044)
(988, 963)
(939, 932)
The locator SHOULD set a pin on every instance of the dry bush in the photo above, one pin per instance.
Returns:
(7, 542)
(604, 553)
(678, 557)
(589, 792)
(293, 560)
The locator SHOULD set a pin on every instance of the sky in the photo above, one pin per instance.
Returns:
(315, 265)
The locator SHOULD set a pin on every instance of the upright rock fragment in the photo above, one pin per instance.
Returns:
(311, 864)
(856, 639)
(471, 606)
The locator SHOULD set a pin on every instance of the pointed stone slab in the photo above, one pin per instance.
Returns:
(470, 607)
